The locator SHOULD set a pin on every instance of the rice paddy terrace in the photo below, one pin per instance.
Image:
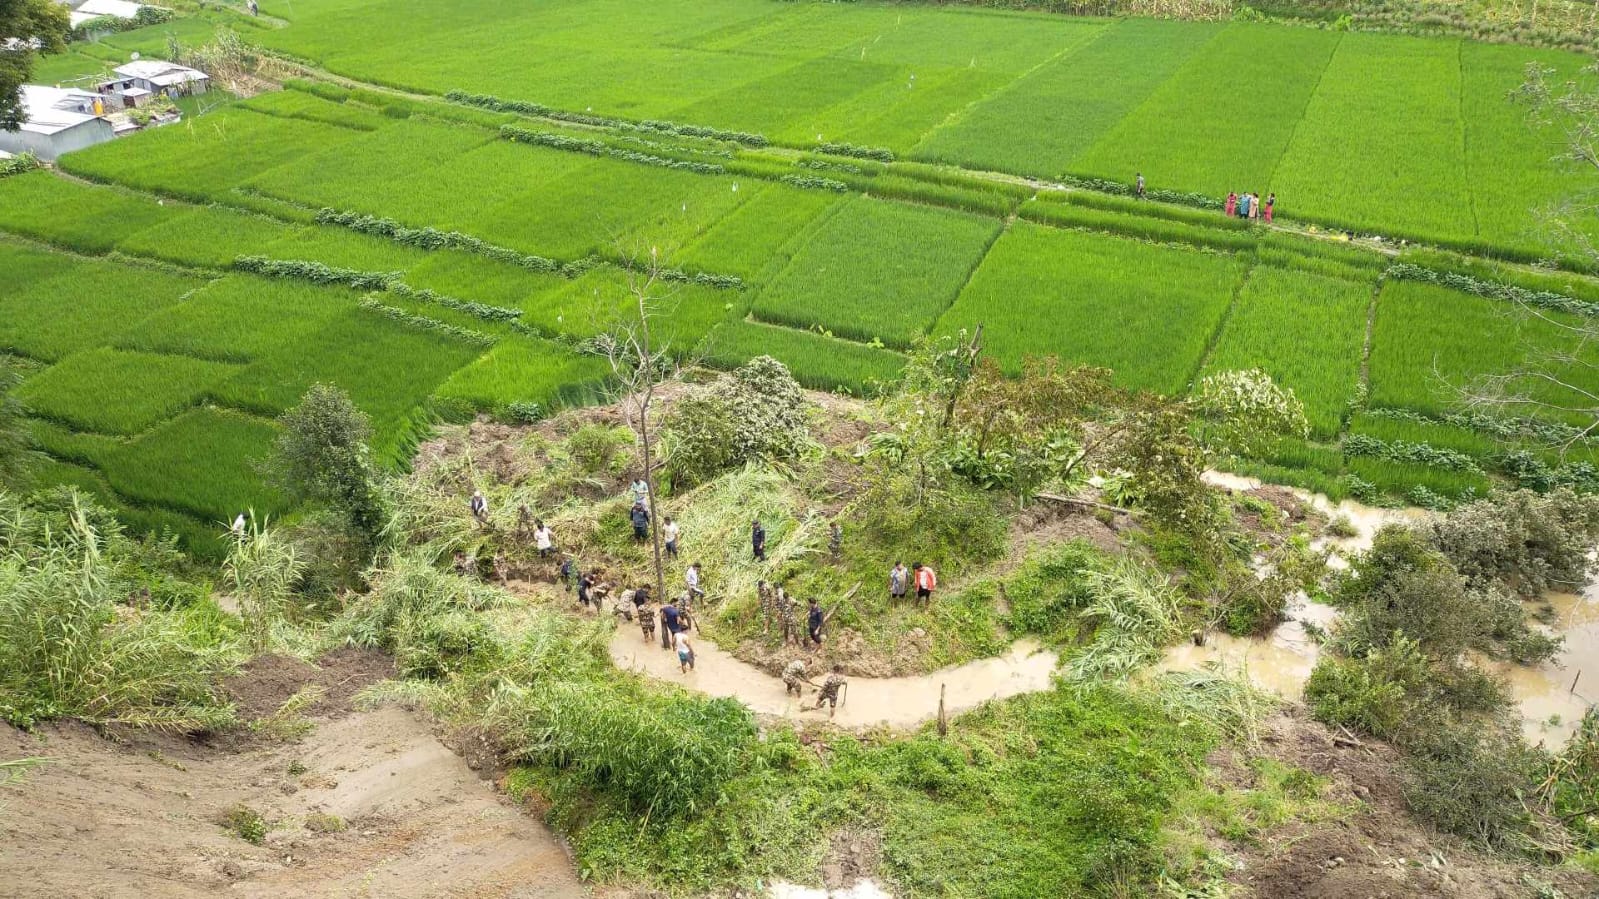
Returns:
(440, 213)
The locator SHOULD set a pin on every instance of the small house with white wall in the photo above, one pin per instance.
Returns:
(57, 121)
(157, 77)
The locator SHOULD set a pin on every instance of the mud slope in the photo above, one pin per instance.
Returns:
(101, 819)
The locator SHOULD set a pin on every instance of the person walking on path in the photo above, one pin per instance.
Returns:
(691, 579)
(641, 491)
(670, 622)
(585, 584)
(794, 679)
(1138, 186)
(758, 540)
(670, 532)
(1232, 204)
(640, 517)
(899, 579)
(646, 621)
(543, 538)
(1243, 206)
(685, 652)
(479, 507)
(1271, 200)
(641, 598)
(568, 572)
(813, 623)
(829, 692)
(926, 583)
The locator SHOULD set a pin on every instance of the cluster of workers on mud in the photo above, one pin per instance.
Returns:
(675, 617)
(1244, 205)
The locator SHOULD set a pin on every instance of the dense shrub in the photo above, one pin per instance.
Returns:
(419, 614)
(1528, 541)
(755, 412)
(67, 646)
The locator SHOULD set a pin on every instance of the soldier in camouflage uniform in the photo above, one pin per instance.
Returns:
(768, 606)
(646, 621)
(829, 691)
(785, 609)
(794, 679)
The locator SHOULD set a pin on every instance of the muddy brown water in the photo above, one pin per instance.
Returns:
(1552, 696)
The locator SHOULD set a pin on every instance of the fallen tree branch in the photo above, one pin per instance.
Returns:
(1085, 503)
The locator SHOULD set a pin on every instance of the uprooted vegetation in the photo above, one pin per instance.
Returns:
(1107, 783)
(1416, 606)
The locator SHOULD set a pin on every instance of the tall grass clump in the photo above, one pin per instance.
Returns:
(422, 615)
(69, 649)
(1135, 613)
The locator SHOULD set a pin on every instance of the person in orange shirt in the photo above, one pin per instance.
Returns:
(926, 582)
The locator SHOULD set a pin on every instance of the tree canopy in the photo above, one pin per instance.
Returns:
(27, 27)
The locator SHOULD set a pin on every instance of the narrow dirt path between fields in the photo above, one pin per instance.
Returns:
(901, 702)
(367, 804)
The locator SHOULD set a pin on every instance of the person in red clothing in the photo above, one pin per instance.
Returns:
(1232, 203)
(926, 582)
(1271, 200)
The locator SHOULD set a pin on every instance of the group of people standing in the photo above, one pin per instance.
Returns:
(1249, 206)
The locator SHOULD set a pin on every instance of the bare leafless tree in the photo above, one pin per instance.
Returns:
(639, 363)
(1548, 383)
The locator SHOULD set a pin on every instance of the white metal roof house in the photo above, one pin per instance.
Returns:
(56, 121)
(96, 9)
(161, 77)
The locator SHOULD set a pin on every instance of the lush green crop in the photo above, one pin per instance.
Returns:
(1306, 331)
(1400, 99)
(116, 392)
(528, 371)
(878, 270)
(1430, 343)
(205, 236)
(341, 248)
(387, 368)
(293, 104)
(602, 298)
(77, 216)
(204, 158)
(1147, 312)
(816, 360)
(755, 240)
(87, 303)
(1222, 121)
(1438, 434)
(239, 318)
(1043, 121)
(459, 274)
(203, 462)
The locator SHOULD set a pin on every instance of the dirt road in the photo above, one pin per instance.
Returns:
(894, 701)
(104, 820)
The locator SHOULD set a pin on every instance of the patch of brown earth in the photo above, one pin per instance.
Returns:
(370, 803)
(852, 856)
(265, 683)
(1380, 851)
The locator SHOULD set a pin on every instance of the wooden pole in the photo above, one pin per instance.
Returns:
(943, 719)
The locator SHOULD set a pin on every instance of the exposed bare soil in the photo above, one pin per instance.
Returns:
(1379, 852)
(369, 803)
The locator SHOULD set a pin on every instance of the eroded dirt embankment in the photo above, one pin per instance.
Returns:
(102, 818)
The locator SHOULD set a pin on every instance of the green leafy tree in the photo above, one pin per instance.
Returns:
(1246, 411)
(323, 456)
(27, 28)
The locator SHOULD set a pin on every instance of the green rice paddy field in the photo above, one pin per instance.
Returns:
(841, 179)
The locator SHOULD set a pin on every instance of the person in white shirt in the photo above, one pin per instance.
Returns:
(543, 538)
(685, 651)
(692, 579)
(238, 526)
(671, 532)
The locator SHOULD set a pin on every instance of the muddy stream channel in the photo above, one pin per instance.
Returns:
(1279, 662)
